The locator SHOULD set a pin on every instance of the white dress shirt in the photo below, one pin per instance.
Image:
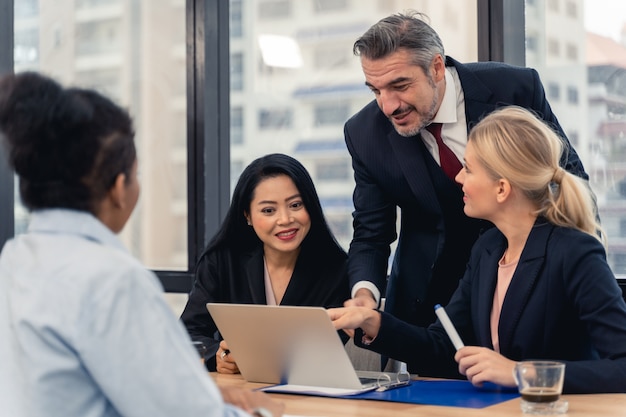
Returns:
(451, 115)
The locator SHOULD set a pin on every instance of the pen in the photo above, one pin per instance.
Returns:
(449, 327)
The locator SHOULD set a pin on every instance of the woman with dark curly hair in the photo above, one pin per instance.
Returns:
(84, 328)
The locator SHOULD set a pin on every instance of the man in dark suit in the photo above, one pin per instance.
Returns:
(397, 162)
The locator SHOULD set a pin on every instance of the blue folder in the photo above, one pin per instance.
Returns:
(446, 393)
(450, 393)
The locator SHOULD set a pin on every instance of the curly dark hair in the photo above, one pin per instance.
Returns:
(67, 145)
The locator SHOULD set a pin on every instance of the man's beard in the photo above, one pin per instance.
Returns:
(426, 120)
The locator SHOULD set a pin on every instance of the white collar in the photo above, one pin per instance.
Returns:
(447, 110)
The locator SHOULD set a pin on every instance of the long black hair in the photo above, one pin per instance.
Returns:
(236, 234)
(67, 146)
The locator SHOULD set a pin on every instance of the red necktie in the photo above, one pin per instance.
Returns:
(448, 160)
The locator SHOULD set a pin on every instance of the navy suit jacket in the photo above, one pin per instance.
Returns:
(227, 276)
(390, 172)
(563, 303)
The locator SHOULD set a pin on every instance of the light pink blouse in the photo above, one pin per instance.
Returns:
(505, 274)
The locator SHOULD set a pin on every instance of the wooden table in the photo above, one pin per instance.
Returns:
(590, 405)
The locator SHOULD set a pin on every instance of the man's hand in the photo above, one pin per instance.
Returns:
(362, 298)
(350, 318)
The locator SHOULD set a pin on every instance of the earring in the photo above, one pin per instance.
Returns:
(249, 224)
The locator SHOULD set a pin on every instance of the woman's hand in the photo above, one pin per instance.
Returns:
(225, 361)
(481, 365)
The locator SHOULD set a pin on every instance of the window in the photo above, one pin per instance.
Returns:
(26, 52)
(178, 178)
(106, 81)
(335, 113)
(571, 9)
(619, 263)
(554, 91)
(572, 95)
(98, 37)
(236, 71)
(593, 106)
(553, 5)
(330, 56)
(80, 4)
(98, 46)
(236, 168)
(275, 119)
(554, 49)
(236, 125)
(26, 8)
(531, 43)
(329, 170)
(236, 19)
(271, 9)
(341, 226)
(572, 52)
(262, 17)
(330, 5)
(299, 108)
(163, 79)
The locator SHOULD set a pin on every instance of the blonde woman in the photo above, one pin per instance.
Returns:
(537, 286)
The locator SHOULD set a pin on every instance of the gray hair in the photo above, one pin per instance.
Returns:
(407, 31)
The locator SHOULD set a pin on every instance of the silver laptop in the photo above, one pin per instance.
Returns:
(296, 347)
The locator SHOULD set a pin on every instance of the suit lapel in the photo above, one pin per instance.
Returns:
(523, 282)
(299, 288)
(478, 97)
(410, 156)
(254, 271)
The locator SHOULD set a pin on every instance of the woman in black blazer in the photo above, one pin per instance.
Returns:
(537, 286)
(274, 247)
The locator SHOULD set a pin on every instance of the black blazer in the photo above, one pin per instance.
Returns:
(390, 172)
(563, 303)
(227, 276)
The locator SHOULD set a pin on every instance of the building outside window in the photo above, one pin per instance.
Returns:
(270, 119)
(594, 109)
(135, 51)
(307, 82)
(333, 170)
(334, 113)
(117, 47)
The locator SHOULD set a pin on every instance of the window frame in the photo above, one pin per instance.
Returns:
(7, 208)
(207, 75)
(208, 97)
